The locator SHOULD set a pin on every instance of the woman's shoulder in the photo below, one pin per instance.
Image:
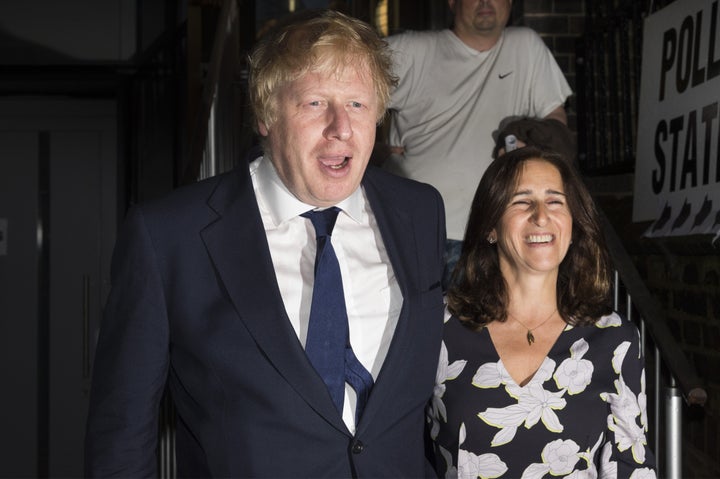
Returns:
(457, 331)
(616, 328)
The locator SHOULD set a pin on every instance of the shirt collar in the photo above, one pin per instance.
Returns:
(283, 205)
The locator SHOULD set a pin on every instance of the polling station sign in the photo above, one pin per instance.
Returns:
(677, 171)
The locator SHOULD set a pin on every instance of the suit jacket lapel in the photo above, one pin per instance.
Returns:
(395, 226)
(238, 247)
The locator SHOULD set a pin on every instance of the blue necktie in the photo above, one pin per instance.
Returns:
(328, 340)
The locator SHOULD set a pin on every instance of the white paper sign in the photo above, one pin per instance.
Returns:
(677, 171)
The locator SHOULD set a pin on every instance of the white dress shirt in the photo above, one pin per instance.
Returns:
(372, 295)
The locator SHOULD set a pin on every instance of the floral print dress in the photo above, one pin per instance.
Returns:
(582, 414)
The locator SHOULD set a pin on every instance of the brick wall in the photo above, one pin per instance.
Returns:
(685, 279)
(560, 23)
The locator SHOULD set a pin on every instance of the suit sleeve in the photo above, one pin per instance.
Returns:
(131, 362)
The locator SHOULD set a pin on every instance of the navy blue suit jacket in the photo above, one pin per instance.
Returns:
(195, 305)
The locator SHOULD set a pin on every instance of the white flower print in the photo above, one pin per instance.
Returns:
(589, 457)
(541, 404)
(629, 435)
(559, 458)
(575, 373)
(589, 473)
(609, 321)
(450, 471)
(445, 372)
(490, 375)
(644, 473)
(642, 402)
(544, 373)
(619, 356)
(486, 466)
(594, 388)
(446, 314)
(534, 404)
(535, 471)
(623, 405)
(608, 468)
(624, 408)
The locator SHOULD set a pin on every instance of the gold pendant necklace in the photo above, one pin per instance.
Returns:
(529, 335)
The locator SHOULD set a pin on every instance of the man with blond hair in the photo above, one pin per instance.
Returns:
(294, 308)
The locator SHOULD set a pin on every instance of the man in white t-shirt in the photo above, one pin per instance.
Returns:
(456, 86)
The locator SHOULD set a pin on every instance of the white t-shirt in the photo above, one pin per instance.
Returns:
(451, 99)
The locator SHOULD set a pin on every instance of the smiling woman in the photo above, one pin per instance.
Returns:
(534, 231)
(531, 340)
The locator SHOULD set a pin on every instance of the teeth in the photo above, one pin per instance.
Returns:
(539, 238)
(339, 165)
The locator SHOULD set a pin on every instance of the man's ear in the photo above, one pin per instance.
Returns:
(262, 128)
(451, 4)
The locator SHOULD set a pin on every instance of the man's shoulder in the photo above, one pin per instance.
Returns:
(194, 196)
(416, 38)
(400, 188)
(522, 35)
(379, 175)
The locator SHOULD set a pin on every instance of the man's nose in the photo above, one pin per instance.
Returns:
(339, 125)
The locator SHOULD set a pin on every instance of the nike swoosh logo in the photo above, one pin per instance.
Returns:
(501, 76)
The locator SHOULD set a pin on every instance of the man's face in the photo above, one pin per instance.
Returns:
(321, 141)
(487, 17)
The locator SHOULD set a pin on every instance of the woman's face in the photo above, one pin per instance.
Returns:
(534, 233)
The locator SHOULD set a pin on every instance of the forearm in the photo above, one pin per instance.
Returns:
(558, 114)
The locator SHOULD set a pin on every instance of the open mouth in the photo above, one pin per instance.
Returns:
(336, 162)
(539, 239)
(340, 165)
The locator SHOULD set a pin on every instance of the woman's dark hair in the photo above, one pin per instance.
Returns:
(478, 292)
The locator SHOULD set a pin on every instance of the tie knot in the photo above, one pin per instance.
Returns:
(323, 220)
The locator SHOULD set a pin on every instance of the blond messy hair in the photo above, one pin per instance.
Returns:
(321, 41)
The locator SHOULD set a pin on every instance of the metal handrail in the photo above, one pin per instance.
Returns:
(654, 317)
(223, 42)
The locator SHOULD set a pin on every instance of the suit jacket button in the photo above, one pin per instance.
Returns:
(357, 447)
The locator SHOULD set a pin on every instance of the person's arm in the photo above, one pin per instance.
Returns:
(549, 88)
(131, 363)
(558, 114)
(626, 450)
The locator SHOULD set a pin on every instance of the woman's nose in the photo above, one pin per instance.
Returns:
(539, 216)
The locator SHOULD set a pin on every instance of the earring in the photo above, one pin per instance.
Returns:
(491, 240)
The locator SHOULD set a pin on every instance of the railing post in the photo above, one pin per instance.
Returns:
(673, 419)
(656, 410)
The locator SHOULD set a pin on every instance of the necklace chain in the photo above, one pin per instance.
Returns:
(529, 336)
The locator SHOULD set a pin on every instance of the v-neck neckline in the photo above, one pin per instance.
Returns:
(531, 378)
